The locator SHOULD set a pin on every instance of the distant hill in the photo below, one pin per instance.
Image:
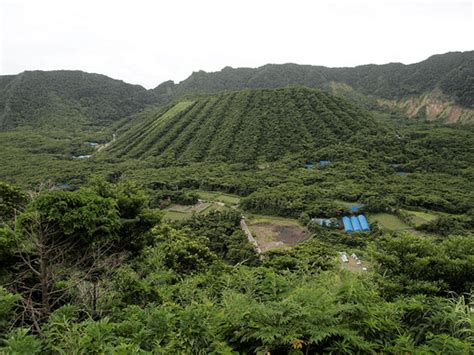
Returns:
(243, 126)
(439, 88)
(445, 82)
(67, 99)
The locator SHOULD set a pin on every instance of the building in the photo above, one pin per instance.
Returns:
(355, 224)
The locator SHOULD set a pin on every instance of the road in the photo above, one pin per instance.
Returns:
(251, 239)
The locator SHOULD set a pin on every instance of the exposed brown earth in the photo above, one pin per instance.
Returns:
(435, 105)
(277, 236)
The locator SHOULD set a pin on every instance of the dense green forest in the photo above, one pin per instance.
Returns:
(93, 171)
(67, 99)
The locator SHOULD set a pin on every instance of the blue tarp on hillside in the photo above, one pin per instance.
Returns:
(355, 208)
(347, 224)
(355, 224)
(363, 222)
(324, 162)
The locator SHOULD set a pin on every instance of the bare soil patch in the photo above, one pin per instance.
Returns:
(277, 236)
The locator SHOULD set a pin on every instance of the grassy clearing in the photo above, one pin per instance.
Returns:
(389, 221)
(228, 199)
(177, 212)
(180, 212)
(420, 218)
(173, 111)
(253, 218)
(177, 216)
(180, 208)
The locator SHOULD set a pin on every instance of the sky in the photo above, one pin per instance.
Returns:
(147, 42)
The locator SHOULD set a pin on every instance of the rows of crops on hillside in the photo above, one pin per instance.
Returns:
(246, 126)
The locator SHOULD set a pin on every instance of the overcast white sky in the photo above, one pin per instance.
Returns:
(148, 42)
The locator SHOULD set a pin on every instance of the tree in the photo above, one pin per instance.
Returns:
(182, 253)
(12, 200)
(63, 236)
(412, 264)
(136, 218)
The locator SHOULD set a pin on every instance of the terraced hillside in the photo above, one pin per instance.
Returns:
(244, 126)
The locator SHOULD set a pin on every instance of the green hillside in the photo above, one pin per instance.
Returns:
(439, 88)
(450, 72)
(67, 99)
(244, 126)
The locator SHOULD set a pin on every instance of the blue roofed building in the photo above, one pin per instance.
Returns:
(355, 224)
(324, 162)
(346, 221)
(364, 224)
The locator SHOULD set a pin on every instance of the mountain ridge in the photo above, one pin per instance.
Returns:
(451, 73)
(70, 98)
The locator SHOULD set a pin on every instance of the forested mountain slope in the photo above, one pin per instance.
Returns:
(244, 126)
(449, 77)
(67, 99)
(441, 87)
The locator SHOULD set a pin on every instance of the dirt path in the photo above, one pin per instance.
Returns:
(105, 145)
(251, 239)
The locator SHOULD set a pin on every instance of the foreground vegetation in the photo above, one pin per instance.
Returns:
(97, 269)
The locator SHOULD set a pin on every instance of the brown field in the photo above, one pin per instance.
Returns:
(282, 234)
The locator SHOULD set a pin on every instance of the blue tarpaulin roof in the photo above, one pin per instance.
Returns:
(347, 224)
(355, 224)
(355, 208)
(363, 222)
(324, 162)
